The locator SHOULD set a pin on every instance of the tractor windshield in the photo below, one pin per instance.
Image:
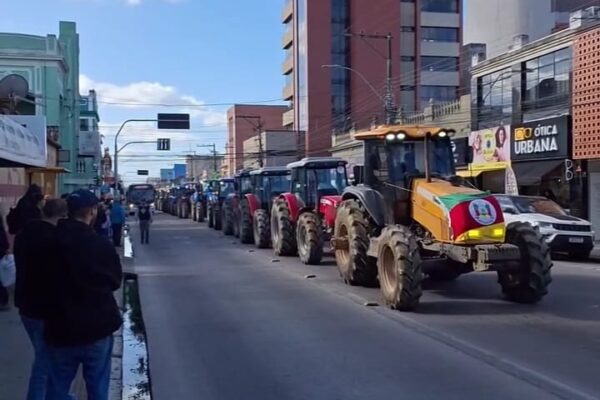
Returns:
(409, 158)
(226, 189)
(276, 184)
(246, 185)
(327, 181)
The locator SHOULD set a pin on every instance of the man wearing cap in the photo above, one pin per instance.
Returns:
(83, 314)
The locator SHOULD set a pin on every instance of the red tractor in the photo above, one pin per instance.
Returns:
(232, 207)
(302, 221)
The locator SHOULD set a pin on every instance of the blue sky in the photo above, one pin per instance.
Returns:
(185, 52)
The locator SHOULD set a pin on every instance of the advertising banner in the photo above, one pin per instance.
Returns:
(23, 139)
(545, 139)
(491, 148)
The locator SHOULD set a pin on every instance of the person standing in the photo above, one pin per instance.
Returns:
(35, 260)
(28, 208)
(4, 250)
(144, 219)
(83, 313)
(117, 219)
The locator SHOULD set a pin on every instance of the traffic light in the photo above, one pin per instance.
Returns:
(163, 144)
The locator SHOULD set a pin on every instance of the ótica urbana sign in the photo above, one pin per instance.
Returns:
(544, 139)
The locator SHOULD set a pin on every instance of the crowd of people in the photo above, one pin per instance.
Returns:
(67, 270)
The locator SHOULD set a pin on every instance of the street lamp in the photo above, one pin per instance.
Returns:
(364, 79)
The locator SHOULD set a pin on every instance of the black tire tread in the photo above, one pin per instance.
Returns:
(227, 219)
(246, 233)
(287, 236)
(262, 229)
(314, 236)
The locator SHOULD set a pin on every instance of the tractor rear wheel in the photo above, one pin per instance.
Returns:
(246, 234)
(228, 220)
(399, 265)
(282, 230)
(218, 219)
(200, 213)
(262, 230)
(530, 283)
(211, 217)
(194, 213)
(309, 233)
(355, 266)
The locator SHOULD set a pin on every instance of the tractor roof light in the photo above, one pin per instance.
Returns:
(390, 137)
(401, 136)
(442, 134)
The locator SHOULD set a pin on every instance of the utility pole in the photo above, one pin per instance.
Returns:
(258, 127)
(389, 102)
(214, 153)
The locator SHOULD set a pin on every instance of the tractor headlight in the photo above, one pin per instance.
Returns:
(474, 234)
(498, 232)
(443, 134)
(401, 136)
(390, 137)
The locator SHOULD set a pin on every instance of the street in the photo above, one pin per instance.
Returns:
(229, 321)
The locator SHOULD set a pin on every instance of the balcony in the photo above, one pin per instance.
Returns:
(288, 11)
(288, 38)
(288, 65)
(288, 91)
(288, 118)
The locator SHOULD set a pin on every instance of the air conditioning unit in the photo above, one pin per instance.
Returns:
(585, 16)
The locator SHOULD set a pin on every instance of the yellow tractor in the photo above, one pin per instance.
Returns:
(408, 216)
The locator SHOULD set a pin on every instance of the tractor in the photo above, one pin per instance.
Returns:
(302, 220)
(183, 201)
(232, 213)
(198, 202)
(410, 216)
(219, 190)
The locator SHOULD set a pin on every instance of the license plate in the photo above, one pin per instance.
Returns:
(575, 240)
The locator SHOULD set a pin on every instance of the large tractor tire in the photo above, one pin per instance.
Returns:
(355, 266)
(530, 283)
(227, 219)
(200, 212)
(217, 220)
(309, 234)
(399, 266)
(262, 229)
(236, 224)
(282, 230)
(185, 210)
(211, 217)
(246, 234)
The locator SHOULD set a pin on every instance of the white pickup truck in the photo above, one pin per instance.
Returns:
(563, 232)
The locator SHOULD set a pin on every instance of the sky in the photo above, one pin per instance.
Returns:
(197, 56)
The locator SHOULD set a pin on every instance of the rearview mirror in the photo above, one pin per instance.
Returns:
(358, 172)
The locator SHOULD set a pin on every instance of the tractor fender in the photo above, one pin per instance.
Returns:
(370, 199)
(328, 207)
(253, 203)
(293, 205)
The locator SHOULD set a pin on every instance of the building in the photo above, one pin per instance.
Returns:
(273, 149)
(505, 24)
(179, 171)
(523, 119)
(244, 121)
(203, 166)
(335, 78)
(89, 155)
(167, 175)
(40, 75)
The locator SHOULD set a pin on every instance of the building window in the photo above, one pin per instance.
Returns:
(340, 78)
(441, 64)
(434, 34)
(438, 94)
(407, 29)
(547, 80)
(494, 99)
(84, 124)
(407, 59)
(444, 6)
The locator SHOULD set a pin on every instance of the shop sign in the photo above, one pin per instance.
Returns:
(23, 139)
(546, 139)
(491, 148)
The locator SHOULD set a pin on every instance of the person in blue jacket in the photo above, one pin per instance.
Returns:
(117, 219)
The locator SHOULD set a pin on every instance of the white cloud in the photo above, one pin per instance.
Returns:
(133, 2)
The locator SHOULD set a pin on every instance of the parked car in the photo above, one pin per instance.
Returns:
(563, 233)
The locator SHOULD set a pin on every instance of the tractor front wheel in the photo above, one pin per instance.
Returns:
(309, 233)
(262, 230)
(228, 220)
(399, 265)
(217, 219)
(282, 230)
(351, 226)
(210, 217)
(530, 283)
(246, 234)
(200, 213)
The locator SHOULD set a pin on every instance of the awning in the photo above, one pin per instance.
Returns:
(469, 174)
(531, 173)
(22, 141)
(51, 170)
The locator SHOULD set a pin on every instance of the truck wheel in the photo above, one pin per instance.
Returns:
(399, 266)
(217, 220)
(262, 230)
(227, 219)
(200, 213)
(210, 217)
(309, 234)
(355, 266)
(246, 234)
(530, 283)
(282, 230)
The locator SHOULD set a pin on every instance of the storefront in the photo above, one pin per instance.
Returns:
(540, 155)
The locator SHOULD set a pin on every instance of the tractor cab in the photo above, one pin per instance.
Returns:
(314, 178)
(223, 187)
(243, 183)
(268, 183)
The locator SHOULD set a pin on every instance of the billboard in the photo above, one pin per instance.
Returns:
(491, 148)
(23, 139)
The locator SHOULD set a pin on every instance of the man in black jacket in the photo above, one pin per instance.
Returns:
(4, 247)
(35, 260)
(83, 315)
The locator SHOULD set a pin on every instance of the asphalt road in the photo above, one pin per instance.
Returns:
(228, 321)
